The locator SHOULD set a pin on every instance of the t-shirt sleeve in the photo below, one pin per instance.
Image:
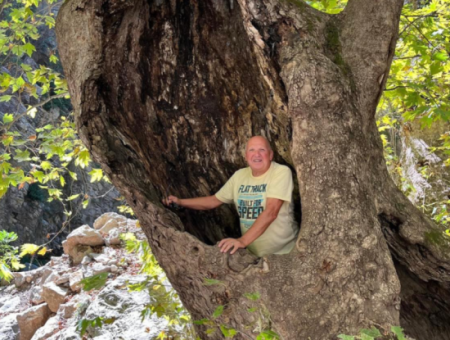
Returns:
(226, 193)
(281, 185)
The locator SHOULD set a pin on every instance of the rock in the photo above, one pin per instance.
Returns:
(79, 252)
(36, 295)
(8, 304)
(46, 331)
(31, 320)
(113, 237)
(20, 278)
(9, 327)
(51, 278)
(62, 279)
(75, 280)
(45, 273)
(53, 295)
(112, 262)
(83, 235)
(98, 268)
(86, 260)
(67, 309)
(123, 306)
(70, 333)
(108, 226)
(101, 221)
(114, 269)
(102, 258)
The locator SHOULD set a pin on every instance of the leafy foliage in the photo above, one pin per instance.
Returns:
(164, 301)
(373, 333)
(94, 282)
(9, 260)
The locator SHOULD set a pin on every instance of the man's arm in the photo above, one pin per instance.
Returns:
(260, 225)
(198, 203)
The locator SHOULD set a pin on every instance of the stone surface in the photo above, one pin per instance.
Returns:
(73, 304)
(84, 235)
(50, 328)
(67, 334)
(98, 268)
(31, 320)
(21, 278)
(67, 309)
(54, 295)
(8, 304)
(113, 237)
(9, 327)
(108, 226)
(115, 302)
(36, 295)
(75, 280)
(103, 219)
(79, 252)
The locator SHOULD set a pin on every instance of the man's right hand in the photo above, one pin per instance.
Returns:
(198, 203)
(171, 199)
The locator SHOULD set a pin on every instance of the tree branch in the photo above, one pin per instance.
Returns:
(369, 31)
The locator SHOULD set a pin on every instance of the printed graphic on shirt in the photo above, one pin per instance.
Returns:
(250, 203)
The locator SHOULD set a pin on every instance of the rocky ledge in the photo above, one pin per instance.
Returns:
(48, 303)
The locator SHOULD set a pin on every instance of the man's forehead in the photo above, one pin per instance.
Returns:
(257, 141)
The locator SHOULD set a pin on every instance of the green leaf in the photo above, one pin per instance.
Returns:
(268, 335)
(85, 204)
(218, 312)
(202, 322)
(46, 165)
(94, 282)
(8, 118)
(73, 175)
(211, 282)
(346, 337)
(71, 198)
(252, 296)
(228, 332)
(441, 56)
(39, 175)
(96, 175)
(373, 332)
(435, 68)
(367, 337)
(5, 98)
(22, 156)
(53, 59)
(398, 331)
(29, 49)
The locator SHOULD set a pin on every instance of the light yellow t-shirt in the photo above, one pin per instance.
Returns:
(250, 194)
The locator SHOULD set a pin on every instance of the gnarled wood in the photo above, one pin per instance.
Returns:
(166, 94)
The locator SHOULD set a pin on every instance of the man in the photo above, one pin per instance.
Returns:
(262, 194)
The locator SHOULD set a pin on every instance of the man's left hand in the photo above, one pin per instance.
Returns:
(230, 244)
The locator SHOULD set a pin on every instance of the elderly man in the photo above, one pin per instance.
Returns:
(262, 193)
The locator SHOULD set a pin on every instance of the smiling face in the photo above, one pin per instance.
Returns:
(258, 155)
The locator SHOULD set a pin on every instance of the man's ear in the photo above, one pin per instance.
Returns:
(271, 155)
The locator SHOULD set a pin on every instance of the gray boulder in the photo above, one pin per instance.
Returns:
(54, 295)
(31, 320)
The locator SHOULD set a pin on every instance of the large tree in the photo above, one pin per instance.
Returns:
(166, 94)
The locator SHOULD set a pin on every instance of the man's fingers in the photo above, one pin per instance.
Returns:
(226, 245)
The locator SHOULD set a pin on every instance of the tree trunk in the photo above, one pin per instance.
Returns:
(166, 94)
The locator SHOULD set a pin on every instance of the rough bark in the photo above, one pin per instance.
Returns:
(166, 93)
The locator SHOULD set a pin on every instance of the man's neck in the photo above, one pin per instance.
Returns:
(258, 173)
